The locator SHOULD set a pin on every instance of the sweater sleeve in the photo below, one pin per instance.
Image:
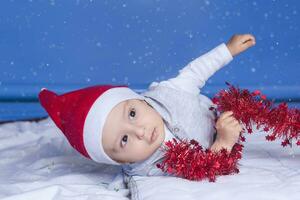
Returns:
(193, 76)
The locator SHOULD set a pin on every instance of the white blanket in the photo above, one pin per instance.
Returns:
(38, 163)
(267, 172)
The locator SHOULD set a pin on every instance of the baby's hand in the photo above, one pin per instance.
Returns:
(228, 131)
(239, 43)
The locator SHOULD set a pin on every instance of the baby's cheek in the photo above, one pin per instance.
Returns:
(143, 151)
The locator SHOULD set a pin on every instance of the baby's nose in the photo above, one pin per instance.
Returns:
(140, 132)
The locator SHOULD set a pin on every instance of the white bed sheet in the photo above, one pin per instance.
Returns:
(38, 163)
(267, 172)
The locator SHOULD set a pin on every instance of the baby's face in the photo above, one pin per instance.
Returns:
(132, 132)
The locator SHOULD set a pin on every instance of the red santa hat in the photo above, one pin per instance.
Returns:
(81, 115)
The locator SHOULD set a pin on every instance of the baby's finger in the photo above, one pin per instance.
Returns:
(229, 119)
(233, 124)
(238, 126)
(226, 114)
(247, 37)
(248, 40)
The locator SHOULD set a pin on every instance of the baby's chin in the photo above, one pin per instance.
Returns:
(155, 147)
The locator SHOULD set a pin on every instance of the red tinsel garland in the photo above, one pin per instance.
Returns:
(189, 160)
(253, 107)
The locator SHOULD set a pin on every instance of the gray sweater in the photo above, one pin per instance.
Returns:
(184, 110)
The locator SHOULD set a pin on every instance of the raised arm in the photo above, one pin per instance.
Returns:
(193, 76)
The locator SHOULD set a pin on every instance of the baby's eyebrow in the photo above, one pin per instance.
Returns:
(116, 143)
(124, 110)
(115, 146)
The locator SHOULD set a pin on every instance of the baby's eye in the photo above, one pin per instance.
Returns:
(124, 140)
(132, 113)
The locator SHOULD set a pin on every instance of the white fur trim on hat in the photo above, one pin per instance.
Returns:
(94, 122)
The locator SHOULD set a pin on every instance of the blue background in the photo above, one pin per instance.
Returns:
(65, 45)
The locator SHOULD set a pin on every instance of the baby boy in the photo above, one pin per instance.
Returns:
(115, 125)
